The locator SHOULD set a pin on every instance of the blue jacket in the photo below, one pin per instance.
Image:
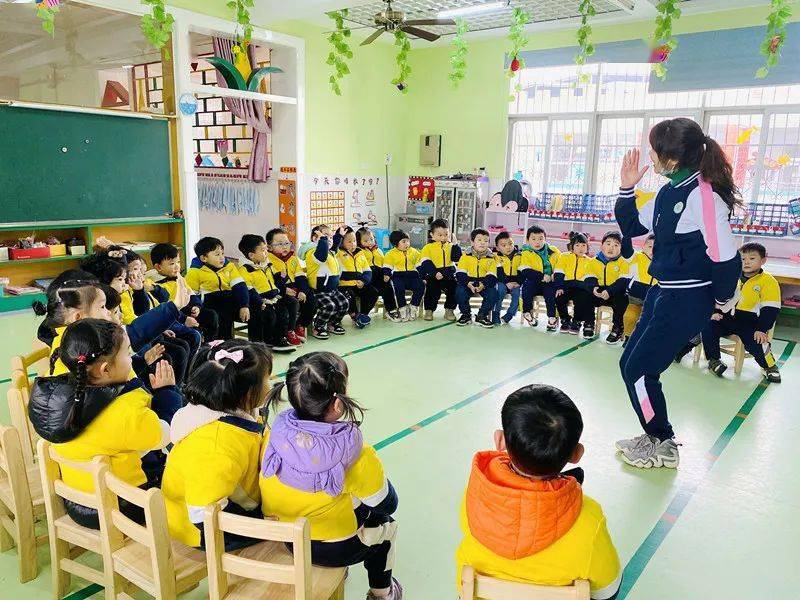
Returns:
(145, 328)
(694, 246)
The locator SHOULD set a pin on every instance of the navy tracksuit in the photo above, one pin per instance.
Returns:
(696, 263)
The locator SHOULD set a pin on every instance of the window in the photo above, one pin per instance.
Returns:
(568, 133)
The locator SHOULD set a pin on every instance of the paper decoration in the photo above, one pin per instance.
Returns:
(783, 160)
(188, 104)
(421, 188)
(327, 208)
(228, 196)
(744, 136)
(114, 95)
(287, 202)
(362, 194)
(207, 162)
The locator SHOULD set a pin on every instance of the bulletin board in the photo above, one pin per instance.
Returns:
(327, 208)
(359, 197)
(287, 202)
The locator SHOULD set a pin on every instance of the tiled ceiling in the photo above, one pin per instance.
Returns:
(540, 11)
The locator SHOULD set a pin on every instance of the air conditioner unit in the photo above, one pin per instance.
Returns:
(430, 150)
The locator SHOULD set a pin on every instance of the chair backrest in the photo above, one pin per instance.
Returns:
(221, 564)
(53, 486)
(18, 399)
(13, 472)
(153, 536)
(24, 366)
(475, 586)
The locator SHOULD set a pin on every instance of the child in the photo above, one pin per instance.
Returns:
(437, 265)
(508, 262)
(316, 465)
(217, 285)
(166, 269)
(477, 275)
(755, 315)
(269, 315)
(355, 280)
(217, 441)
(522, 518)
(366, 241)
(572, 268)
(323, 276)
(95, 410)
(640, 282)
(607, 280)
(400, 267)
(537, 266)
(292, 283)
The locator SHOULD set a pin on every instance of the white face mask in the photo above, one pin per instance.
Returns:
(660, 169)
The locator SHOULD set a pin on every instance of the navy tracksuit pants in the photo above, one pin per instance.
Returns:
(670, 318)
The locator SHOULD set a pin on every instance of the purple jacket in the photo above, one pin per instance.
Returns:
(309, 455)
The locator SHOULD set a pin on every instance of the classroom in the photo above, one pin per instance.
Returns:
(423, 299)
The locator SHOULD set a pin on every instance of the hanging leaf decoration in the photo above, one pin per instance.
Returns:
(241, 8)
(46, 11)
(404, 69)
(585, 46)
(776, 35)
(340, 50)
(516, 35)
(663, 40)
(458, 59)
(157, 25)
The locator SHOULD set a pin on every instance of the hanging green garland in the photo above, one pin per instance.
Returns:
(585, 47)
(341, 51)
(776, 35)
(458, 59)
(401, 40)
(157, 25)
(46, 11)
(243, 17)
(663, 40)
(516, 35)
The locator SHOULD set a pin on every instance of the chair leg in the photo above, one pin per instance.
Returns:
(696, 354)
(339, 593)
(26, 548)
(6, 539)
(738, 357)
(61, 579)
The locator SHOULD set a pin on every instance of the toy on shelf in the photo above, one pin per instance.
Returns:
(579, 208)
(767, 219)
(28, 248)
(794, 216)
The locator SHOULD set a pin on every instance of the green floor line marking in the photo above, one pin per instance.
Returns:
(645, 552)
(399, 338)
(477, 396)
(85, 592)
(7, 379)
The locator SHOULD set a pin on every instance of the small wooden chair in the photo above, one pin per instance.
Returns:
(21, 504)
(62, 530)
(266, 571)
(24, 365)
(475, 586)
(18, 399)
(604, 316)
(732, 346)
(142, 555)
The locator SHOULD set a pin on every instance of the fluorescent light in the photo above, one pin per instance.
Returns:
(127, 66)
(477, 9)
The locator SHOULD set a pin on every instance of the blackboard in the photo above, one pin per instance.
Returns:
(113, 166)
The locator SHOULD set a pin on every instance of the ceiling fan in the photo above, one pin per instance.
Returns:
(392, 20)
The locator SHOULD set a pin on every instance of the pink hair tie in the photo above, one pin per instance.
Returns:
(236, 356)
(215, 343)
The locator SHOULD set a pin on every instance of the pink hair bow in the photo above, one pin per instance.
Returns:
(235, 356)
(214, 343)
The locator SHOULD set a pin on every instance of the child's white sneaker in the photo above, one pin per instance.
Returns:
(395, 592)
(449, 314)
(413, 312)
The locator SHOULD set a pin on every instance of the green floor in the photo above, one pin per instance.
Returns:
(723, 526)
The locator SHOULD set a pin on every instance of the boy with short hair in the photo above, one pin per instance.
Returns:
(400, 267)
(166, 269)
(607, 280)
(324, 274)
(536, 271)
(217, 285)
(522, 518)
(476, 274)
(437, 265)
(755, 315)
(508, 279)
(269, 316)
(355, 280)
(293, 284)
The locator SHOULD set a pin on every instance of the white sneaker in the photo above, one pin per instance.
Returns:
(413, 312)
(630, 444)
(653, 454)
(405, 314)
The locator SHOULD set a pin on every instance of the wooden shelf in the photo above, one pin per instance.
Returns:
(87, 223)
(9, 302)
(30, 261)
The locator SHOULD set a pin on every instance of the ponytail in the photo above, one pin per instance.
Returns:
(717, 171)
(273, 400)
(75, 294)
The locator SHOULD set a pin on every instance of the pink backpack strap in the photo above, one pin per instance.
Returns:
(709, 219)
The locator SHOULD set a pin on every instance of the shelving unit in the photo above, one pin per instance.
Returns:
(24, 272)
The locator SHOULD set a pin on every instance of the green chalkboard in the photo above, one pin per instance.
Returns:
(113, 166)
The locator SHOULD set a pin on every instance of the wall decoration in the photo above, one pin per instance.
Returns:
(287, 202)
(327, 208)
(516, 35)
(228, 194)
(46, 10)
(401, 40)
(157, 24)
(360, 196)
(187, 104)
(663, 40)
(340, 52)
(775, 36)
(243, 17)
(585, 47)
(458, 59)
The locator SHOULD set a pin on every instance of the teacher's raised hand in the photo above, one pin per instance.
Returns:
(631, 174)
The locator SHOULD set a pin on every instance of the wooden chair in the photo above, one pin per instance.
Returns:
(24, 365)
(21, 504)
(142, 555)
(266, 571)
(62, 530)
(18, 412)
(604, 316)
(732, 346)
(475, 586)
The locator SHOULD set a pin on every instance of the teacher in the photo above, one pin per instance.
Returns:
(695, 260)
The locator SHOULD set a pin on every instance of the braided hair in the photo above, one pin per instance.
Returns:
(313, 383)
(84, 343)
